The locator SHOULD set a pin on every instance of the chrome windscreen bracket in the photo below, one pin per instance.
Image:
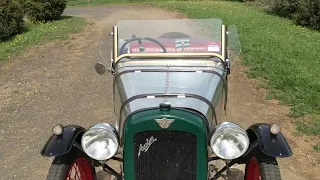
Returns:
(228, 66)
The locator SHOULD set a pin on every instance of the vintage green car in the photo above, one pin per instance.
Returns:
(170, 85)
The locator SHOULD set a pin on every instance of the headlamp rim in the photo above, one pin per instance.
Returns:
(110, 130)
(231, 125)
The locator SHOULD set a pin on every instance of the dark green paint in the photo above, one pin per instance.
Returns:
(185, 121)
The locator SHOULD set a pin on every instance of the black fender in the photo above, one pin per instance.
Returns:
(62, 144)
(270, 144)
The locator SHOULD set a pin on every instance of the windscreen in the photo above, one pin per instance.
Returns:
(169, 36)
(233, 43)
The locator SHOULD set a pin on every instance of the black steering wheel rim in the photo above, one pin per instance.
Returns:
(141, 38)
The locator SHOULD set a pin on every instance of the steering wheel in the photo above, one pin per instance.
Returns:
(175, 35)
(140, 39)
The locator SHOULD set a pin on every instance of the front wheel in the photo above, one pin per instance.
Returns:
(262, 168)
(75, 165)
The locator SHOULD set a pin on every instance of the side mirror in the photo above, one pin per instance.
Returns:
(100, 68)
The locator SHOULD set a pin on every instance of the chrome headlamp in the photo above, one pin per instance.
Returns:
(100, 142)
(229, 141)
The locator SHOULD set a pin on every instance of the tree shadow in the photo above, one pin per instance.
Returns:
(60, 18)
(65, 17)
(24, 29)
(52, 19)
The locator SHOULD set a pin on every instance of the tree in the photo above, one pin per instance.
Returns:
(43, 10)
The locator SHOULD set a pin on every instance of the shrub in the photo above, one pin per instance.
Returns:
(11, 19)
(304, 12)
(43, 10)
(284, 8)
(308, 13)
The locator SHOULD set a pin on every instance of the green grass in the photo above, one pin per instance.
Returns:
(38, 33)
(284, 56)
(309, 127)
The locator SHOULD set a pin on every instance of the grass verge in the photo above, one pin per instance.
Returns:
(311, 127)
(38, 33)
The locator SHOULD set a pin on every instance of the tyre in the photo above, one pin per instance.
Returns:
(174, 35)
(74, 165)
(262, 168)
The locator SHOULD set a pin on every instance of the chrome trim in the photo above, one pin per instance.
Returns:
(223, 42)
(233, 126)
(145, 147)
(168, 55)
(107, 127)
(115, 43)
(163, 66)
(164, 123)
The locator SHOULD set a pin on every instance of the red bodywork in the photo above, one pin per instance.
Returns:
(196, 46)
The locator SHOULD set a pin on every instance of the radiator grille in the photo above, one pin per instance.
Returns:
(165, 155)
